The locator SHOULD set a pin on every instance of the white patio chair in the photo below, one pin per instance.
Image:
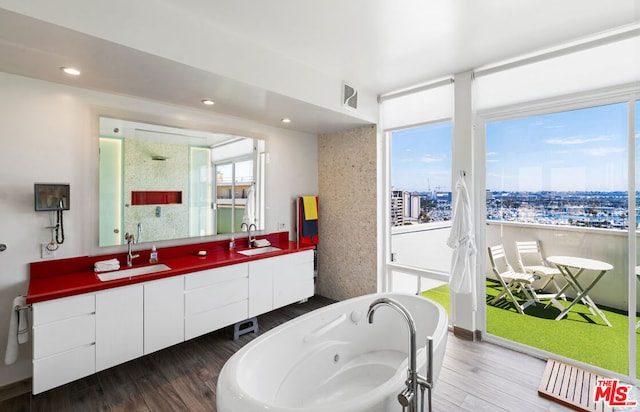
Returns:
(530, 260)
(510, 280)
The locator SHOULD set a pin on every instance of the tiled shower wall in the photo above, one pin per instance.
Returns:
(143, 173)
(347, 213)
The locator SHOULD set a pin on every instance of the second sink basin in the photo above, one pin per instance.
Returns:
(259, 250)
(127, 273)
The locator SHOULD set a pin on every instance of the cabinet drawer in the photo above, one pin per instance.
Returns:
(55, 337)
(297, 258)
(58, 309)
(220, 294)
(213, 276)
(63, 368)
(205, 322)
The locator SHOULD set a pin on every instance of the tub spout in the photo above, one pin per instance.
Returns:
(405, 397)
(408, 396)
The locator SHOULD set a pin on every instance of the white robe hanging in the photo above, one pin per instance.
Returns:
(462, 241)
(249, 209)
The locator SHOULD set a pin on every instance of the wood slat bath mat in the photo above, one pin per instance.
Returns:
(571, 386)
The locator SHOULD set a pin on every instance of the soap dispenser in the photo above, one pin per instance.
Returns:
(153, 258)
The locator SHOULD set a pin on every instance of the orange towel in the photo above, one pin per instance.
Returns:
(310, 208)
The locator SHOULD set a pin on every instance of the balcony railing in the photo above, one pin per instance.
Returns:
(421, 252)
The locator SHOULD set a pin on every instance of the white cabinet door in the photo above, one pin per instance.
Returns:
(260, 286)
(292, 278)
(119, 323)
(163, 313)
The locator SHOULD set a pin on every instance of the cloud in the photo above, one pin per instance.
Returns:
(431, 159)
(602, 151)
(577, 140)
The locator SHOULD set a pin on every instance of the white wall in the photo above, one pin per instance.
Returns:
(49, 133)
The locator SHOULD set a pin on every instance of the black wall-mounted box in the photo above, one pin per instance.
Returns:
(51, 196)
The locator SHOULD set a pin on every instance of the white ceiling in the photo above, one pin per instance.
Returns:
(385, 45)
(378, 46)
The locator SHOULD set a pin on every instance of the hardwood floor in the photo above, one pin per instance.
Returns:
(475, 377)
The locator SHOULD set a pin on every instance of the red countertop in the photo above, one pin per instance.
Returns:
(73, 276)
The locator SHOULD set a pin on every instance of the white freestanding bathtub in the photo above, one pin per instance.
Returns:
(332, 359)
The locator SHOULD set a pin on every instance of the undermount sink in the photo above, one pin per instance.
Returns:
(259, 250)
(127, 273)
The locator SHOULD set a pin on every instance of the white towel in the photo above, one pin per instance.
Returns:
(18, 330)
(106, 265)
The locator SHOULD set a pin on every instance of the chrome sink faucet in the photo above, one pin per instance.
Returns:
(130, 256)
(250, 239)
(408, 396)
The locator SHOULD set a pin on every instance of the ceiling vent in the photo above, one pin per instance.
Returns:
(349, 97)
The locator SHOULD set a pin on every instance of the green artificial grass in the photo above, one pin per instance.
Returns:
(579, 335)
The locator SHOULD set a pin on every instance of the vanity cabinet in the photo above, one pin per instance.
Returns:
(119, 326)
(63, 341)
(163, 313)
(292, 278)
(76, 336)
(215, 298)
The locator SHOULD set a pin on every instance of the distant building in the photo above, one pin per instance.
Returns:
(411, 206)
(405, 207)
(397, 208)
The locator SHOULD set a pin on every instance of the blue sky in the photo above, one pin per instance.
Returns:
(421, 158)
(578, 150)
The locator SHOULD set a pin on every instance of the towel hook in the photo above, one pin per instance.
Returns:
(20, 308)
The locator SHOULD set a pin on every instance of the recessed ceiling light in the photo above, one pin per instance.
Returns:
(208, 102)
(70, 70)
(285, 120)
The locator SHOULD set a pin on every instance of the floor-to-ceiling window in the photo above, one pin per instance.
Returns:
(238, 168)
(559, 170)
(417, 209)
(560, 179)
(559, 147)
(420, 175)
(233, 182)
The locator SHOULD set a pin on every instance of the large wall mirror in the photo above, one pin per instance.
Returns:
(161, 183)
